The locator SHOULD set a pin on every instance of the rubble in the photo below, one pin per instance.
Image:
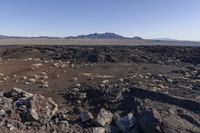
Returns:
(30, 107)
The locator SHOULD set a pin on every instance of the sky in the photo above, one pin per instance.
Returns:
(177, 19)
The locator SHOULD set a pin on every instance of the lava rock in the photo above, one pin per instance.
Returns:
(175, 124)
(104, 117)
(98, 130)
(41, 109)
(126, 122)
(148, 121)
(85, 116)
(111, 129)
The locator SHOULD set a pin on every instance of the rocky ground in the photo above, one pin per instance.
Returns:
(99, 89)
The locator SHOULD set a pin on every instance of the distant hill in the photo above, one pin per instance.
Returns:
(99, 36)
(21, 37)
(106, 35)
(3, 37)
(166, 39)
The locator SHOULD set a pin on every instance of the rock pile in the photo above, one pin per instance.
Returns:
(20, 110)
(148, 121)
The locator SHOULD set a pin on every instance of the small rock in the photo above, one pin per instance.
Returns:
(104, 117)
(7, 102)
(75, 78)
(45, 77)
(45, 85)
(161, 86)
(32, 80)
(82, 95)
(169, 80)
(10, 127)
(141, 76)
(78, 85)
(85, 116)
(2, 112)
(1, 74)
(121, 80)
(111, 129)
(36, 66)
(56, 120)
(64, 123)
(35, 76)
(105, 81)
(98, 130)
(126, 122)
(24, 77)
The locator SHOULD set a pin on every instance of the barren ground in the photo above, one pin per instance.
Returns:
(157, 77)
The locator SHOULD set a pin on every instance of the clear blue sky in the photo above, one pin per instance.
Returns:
(179, 19)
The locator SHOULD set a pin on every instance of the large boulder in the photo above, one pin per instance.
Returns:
(149, 121)
(41, 109)
(175, 124)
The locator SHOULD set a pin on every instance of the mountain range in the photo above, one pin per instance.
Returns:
(106, 35)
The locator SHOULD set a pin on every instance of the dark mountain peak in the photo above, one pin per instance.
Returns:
(106, 35)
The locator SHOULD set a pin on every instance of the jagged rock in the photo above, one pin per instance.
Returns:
(41, 108)
(2, 112)
(126, 122)
(85, 116)
(175, 124)
(98, 130)
(104, 117)
(148, 121)
(7, 102)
